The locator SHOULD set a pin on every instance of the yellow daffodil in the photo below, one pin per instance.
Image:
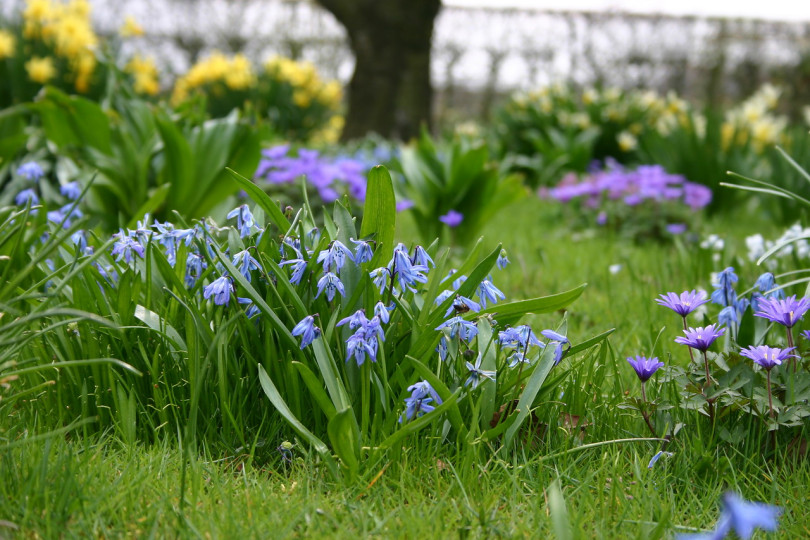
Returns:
(7, 44)
(40, 70)
(130, 28)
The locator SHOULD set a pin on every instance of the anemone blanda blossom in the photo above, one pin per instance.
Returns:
(683, 304)
(645, 367)
(768, 357)
(700, 338)
(452, 218)
(786, 312)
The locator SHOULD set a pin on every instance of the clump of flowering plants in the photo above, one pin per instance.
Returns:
(645, 202)
(356, 340)
(745, 371)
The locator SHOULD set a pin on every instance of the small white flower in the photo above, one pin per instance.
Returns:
(614, 268)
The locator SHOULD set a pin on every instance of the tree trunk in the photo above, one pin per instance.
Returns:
(390, 91)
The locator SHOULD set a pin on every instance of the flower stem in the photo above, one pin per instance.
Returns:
(790, 345)
(770, 399)
(685, 328)
(644, 412)
(706, 364)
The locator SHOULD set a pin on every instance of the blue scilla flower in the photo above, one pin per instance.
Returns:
(441, 348)
(466, 330)
(246, 263)
(195, 265)
(71, 190)
(519, 336)
(244, 219)
(221, 289)
(477, 374)
(307, 330)
(742, 517)
(251, 310)
(379, 276)
(421, 257)
(331, 284)
(459, 281)
(383, 312)
(502, 261)
(363, 343)
(355, 320)
(298, 267)
(31, 171)
(125, 246)
(487, 292)
(728, 316)
(26, 196)
(421, 401)
(79, 240)
(462, 304)
(724, 293)
(362, 251)
(444, 295)
(334, 257)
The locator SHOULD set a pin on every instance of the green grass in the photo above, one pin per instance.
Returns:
(83, 483)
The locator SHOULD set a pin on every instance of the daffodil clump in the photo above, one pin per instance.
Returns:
(591, 124)
(290, 94)
(54, 43)
(754, 122)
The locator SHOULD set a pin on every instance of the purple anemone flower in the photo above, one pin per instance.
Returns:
(645, 367)
(700, 338)
(786, 312)
(684, 304)
(768, 357)
(452, 218)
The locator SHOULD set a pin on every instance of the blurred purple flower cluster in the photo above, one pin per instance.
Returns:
(632, 187)
(326, 174)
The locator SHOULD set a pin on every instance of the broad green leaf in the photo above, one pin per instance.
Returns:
(315, 388)
(533, 385)
(278, 402)
(512, 312)
(379, 214)
(345, 438)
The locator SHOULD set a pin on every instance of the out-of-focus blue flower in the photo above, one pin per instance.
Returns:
(331, 284)
(728, 316)
(452, 218)
(404, 204)
(25, 196)
(307, 330)
(124, 246)
(742, 517)
(363, 252)
(724, 294)
(502, 261)
(221, 289)
(71, 190)
(676, 228)
(324, 173)
(477, 374)
(195, 265)
(244, 220)
(79, 240)
(31, 171)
